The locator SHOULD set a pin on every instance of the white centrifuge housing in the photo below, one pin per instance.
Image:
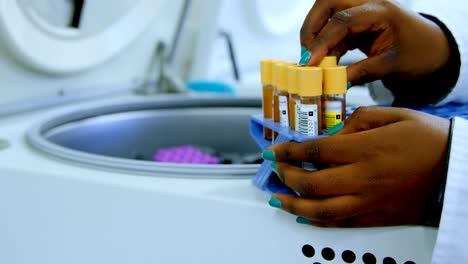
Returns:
(80, 119)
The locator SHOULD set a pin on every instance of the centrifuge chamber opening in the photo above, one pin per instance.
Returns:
(126, 136)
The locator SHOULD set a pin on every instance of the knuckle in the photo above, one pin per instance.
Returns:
(307, 33)
(365, 74)
(389, 4)
(313, 150)
(378, 177)
(293, 209)
(319, 41)
(361, 111)
(287, 152)
(309, 187)
(349, 211)
(376, 181)
(334, 180)
(342, 18)
(370, 151)
(325, 214)
(391, 56)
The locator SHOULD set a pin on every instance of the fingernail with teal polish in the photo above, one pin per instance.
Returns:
(274, 202)
(268, 155)
(303, 221)
(305, 58)
(303, 51)
(274, 167)
(336, 129)
(349, 85)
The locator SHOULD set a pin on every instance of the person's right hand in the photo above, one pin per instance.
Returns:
(400, 44)
(388, 166)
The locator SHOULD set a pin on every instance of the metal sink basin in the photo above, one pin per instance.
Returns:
(125, 137)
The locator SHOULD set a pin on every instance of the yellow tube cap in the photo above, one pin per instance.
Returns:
(328, 62)
(266, 70)
(280, 75)
(335, 80)
(292, 79)
(309, 81)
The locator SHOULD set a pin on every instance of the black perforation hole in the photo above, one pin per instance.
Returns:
(410, 262)
(308, 251)
(348, 256)
(389, 260)
(368, 258)
(328, 254)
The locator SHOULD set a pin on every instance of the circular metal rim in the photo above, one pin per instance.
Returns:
(36, 139)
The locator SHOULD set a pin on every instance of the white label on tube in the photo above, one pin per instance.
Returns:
(283, 107)
(308, 120)
(298, 112)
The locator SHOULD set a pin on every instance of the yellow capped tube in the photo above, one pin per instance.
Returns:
(266, 69)
(281, 70)
(334, 89)
(328, 62)
(310, 80)
(294, 97)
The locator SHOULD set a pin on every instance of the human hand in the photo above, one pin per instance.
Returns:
(388, 163)
(400, 44)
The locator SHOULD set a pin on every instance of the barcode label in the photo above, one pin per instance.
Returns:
(298, 111)
(283, 108)
(308, 120)
(333, 115)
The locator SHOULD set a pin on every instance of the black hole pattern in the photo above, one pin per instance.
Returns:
(308, 251)
(389, 260)
(348, 256)
(368, 258)
(328, 254)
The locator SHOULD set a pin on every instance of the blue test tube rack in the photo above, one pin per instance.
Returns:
(264, 179)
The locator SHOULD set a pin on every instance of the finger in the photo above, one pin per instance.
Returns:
(370, 219)
(339, 50)
(330, 209)
(369, 17)
(363, 220)
(367, 118)
(336, 181)
(339, 149)
(318, 17)
(371, 69)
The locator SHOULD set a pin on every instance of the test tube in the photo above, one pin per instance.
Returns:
(334, 90)
(283, 94)
(310, 81)
(328, 62)
(294, 98)
(276, 79)
(266, 69)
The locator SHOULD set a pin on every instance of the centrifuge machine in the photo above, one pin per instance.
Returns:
(81, 115)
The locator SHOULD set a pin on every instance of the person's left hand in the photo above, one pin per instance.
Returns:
(388, 163)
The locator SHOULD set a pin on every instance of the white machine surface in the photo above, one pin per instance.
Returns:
(58, 210)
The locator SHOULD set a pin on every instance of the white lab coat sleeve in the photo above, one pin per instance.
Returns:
(453, 14)
(452, 246)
